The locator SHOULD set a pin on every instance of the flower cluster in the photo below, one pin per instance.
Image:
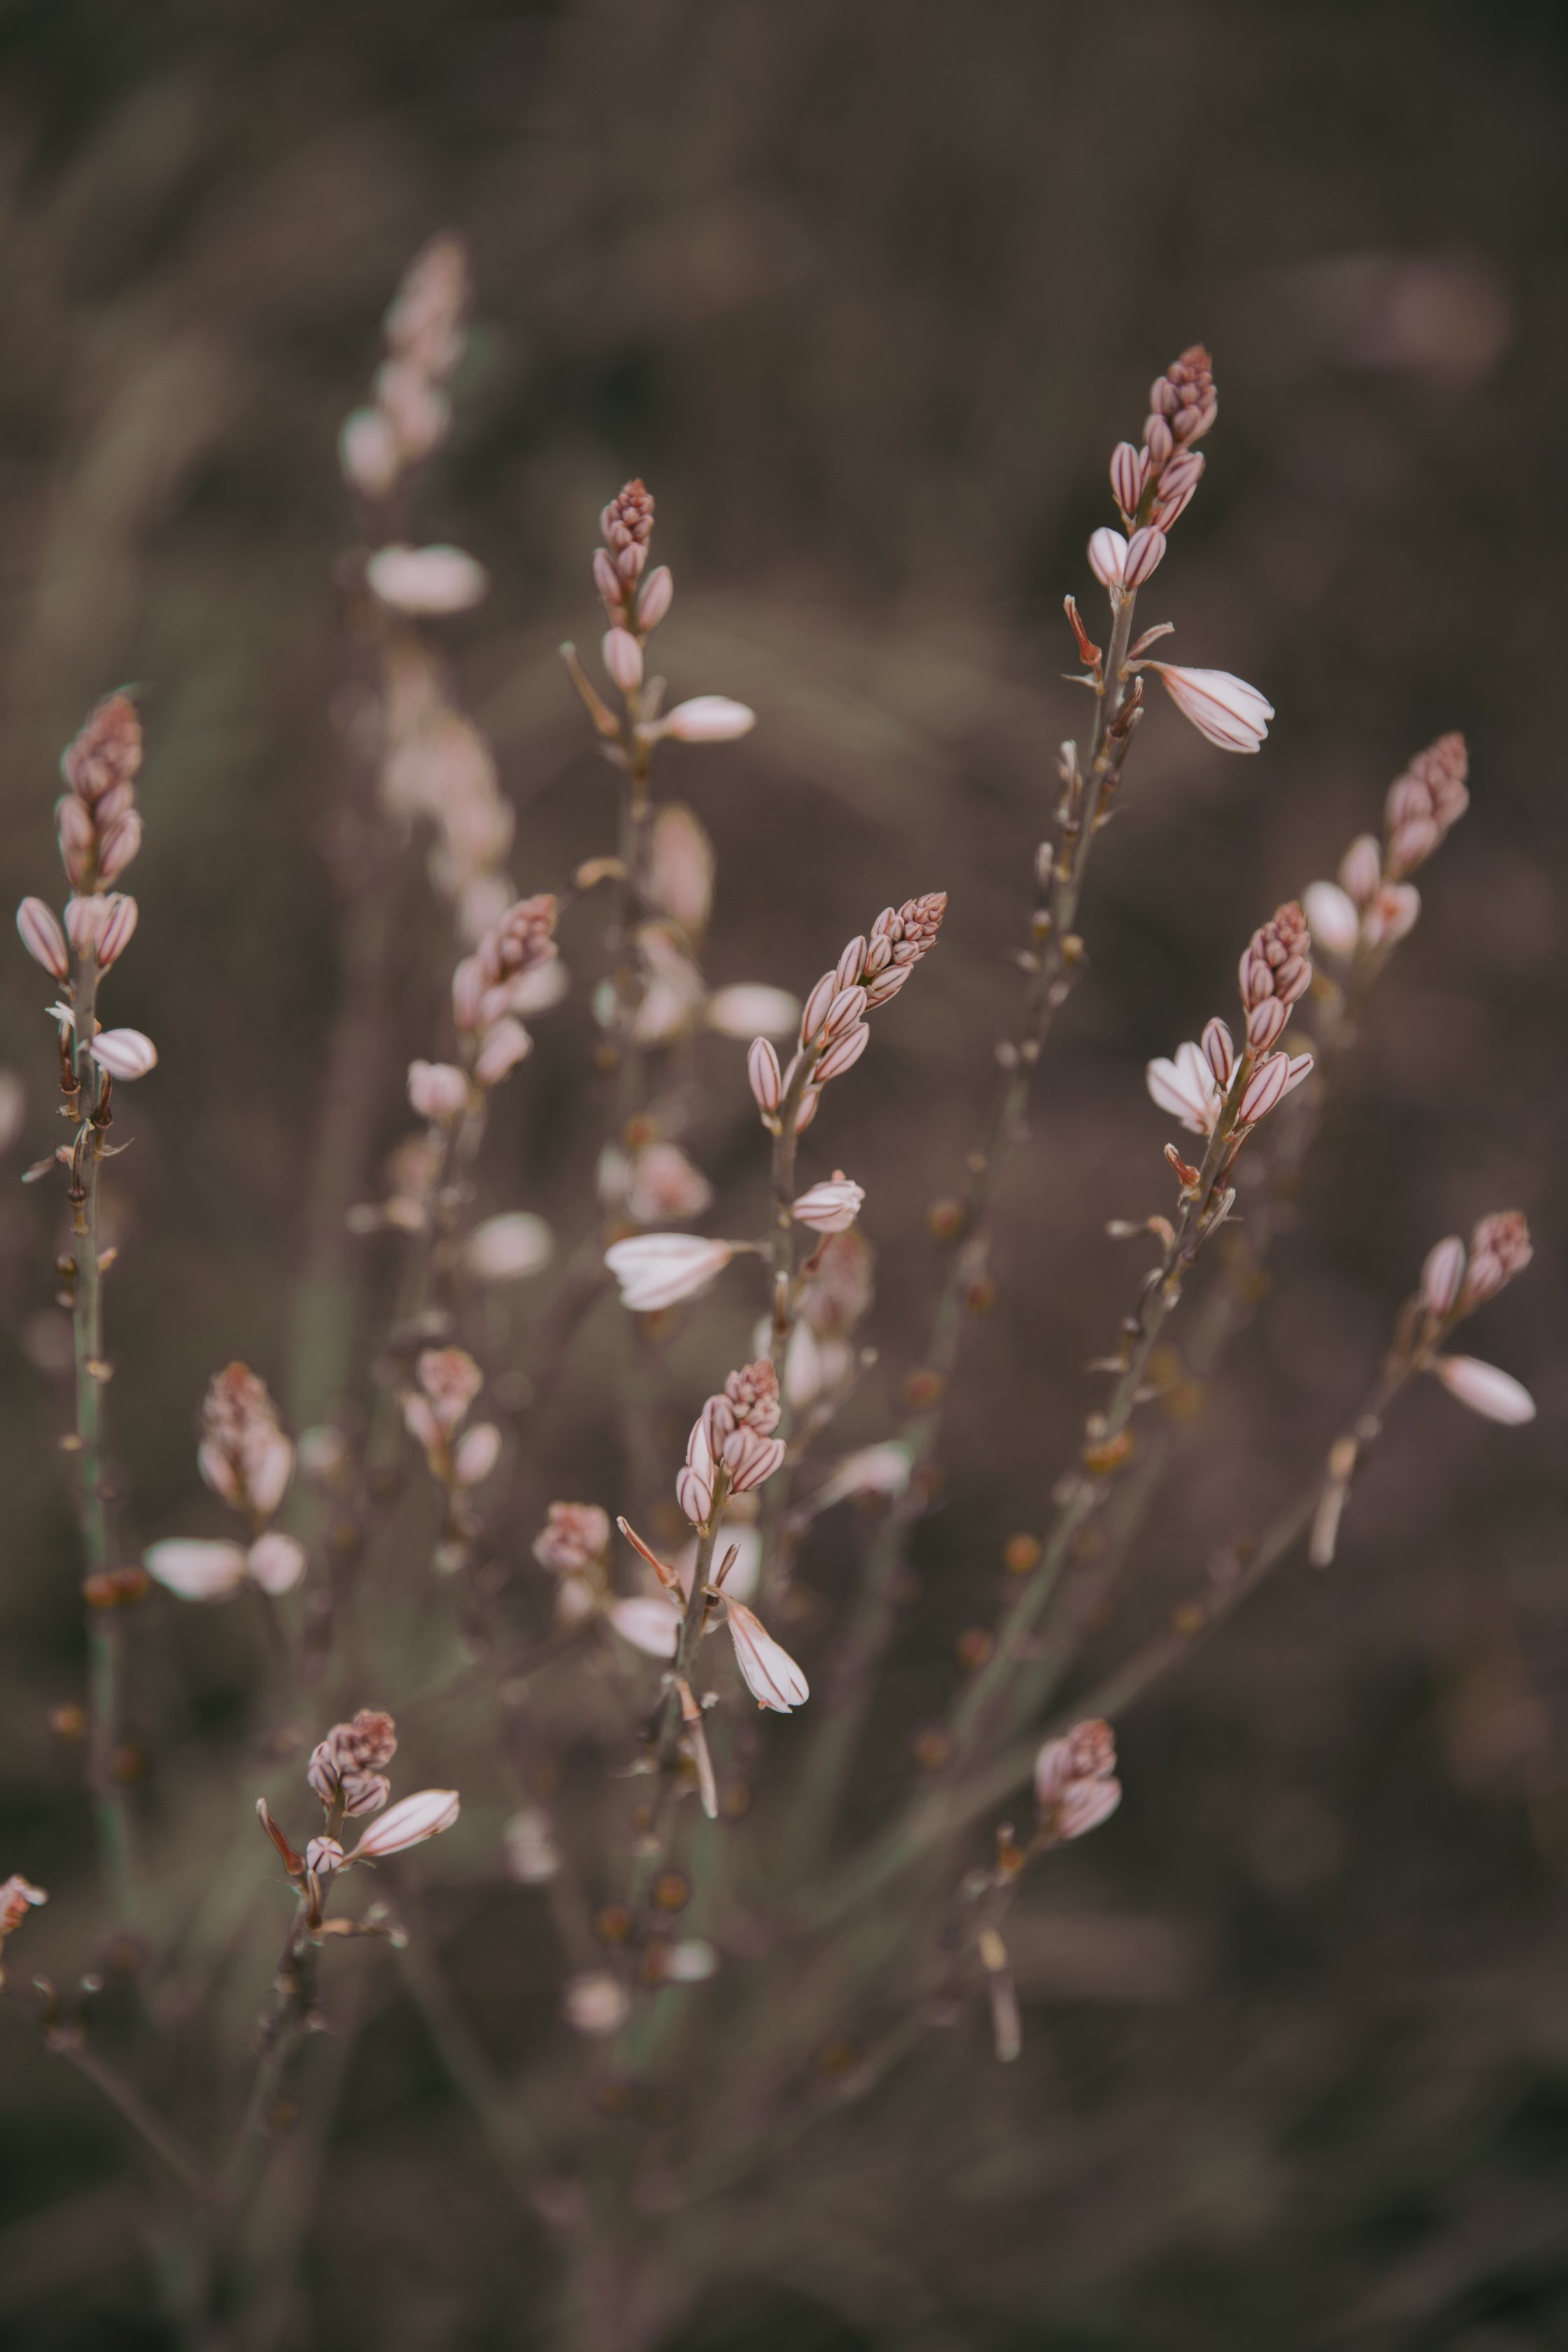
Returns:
(501, 980)
(246, 1457)
(653, 1624)
(346, 1772)
(99, 824)
(1076, 1786)
(434, 1412)
(732, 1447)
(833, 1029)
(1196, 1086)
(571, 1546)
(1374, 904)
(1456, 1281)
(411, 415)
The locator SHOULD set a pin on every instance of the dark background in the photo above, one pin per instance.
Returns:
(868, 292)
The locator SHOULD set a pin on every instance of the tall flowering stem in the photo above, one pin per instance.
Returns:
(1151, 488)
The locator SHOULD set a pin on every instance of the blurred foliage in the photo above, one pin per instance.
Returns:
(866, 294)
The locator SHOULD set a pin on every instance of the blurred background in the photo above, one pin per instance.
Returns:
(867, 293)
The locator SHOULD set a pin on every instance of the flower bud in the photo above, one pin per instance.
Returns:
(42, 937)
(1145, 551)
(476, 1454)
(505, 1044)
(765, 1077)
(1128, 476)
(275, 1563)
(655, 597)
(816, 1005)
(409, 1823)
(125, 1053)
(623, 659)
(842, 1055)
(1108, 556)
(437, 1090)
(1443, 1275)
(1361, 869)
(708, 718)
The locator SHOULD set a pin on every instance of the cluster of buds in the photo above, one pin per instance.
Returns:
(18, 1896)
(411, 414)
(1456, 1281)
(653, 1184)
(636, 600)
(489, 988)
(247, 1459)
(99, 834)
(654, 1625)
(1374, 904)
(732, 1447)
(1076, 1786)
(346, 1771)
(1155, 484)
(1204, 1080)
(434, 1412)
(572, 1546)
(833, 1026)
(1453, 1282)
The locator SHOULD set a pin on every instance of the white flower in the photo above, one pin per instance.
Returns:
(831, 1207)
(196, 1569)
(708, 718)
(1495, 1394)
(751, 1008)
(1443, 1273)
(690, 1963)
(598, 2004)
(505, 1045)
(532, 1855)
(275, 1563)
(1226, 709)
(125, 1053)
(437, 1090)
(650, 1622)
(1334, 917)
(770, 1674)
(875, 1470)
(505, 1248)
(426, 578)
(477, 1452)
(655, 1270)
(741, 1581)
(408, 1823)
(1186, 1087)
(42, 937)
(1107, 557)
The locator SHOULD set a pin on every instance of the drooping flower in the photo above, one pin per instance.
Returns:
(770, 1675)
(1224, 709)
(408, 1822)
(657, 1270)
(1496, 1395)
(832, 1206)
(1185, 1089)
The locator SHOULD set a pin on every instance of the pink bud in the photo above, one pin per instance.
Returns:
(1129, 475)
(468, 993)
(409, 1823)
(844, 1012)
(437, 1090)
(1443, 1275)
(623, 659)
(832, 1207)
(505, 1044)
(1178, 482)
(119, 845)
(842, 1055)
(79, 837)
(42, 937)
(1159, 441)
(1495, 1395)
(1393, 912)
(125, 1053)
(1361, 869)
(766, 1077)
(1264, 1088)
(810, 1103)
(887, 984)
(1108, 556)
(816, 1005)
(1265, 1022)
(611, 588)
(851, 966)
(119, 924)
(694, 1495)
(1145, 549)
(275, 1563)
(1223, 709)
(751, 1459)
(1334, 917)
(1219, 1053)
(708, 718)
(654, 603)
(477, 1452)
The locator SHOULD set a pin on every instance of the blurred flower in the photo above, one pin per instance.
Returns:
(275, 1563)
(661, 1181)
(875, 1470)
(1075, 1784)
(573, 1535)
(1494, 1394)
(196, 1568)
(1334, 917)
(244, 1455)
(830, 1207)
(18, 1896)
(750, 1007)
(532, 1857)
(505, 1248)
(408, 1823)
(597, 2004)
(680, 868)
(439, 1091)
(706, 718)
(650, 1622)
(427, 580)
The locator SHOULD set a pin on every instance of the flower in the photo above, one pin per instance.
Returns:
(770, 1674)
(275, 1563)
(348, 1767)
(532, 1857)
(1223, 709)
(125, 1053)
(102, 926)
(663, 1182)
(437, 1090)
(1075, 1784)
(875, 1470)
(408, 1822)
(504, 1044)
(1442, 1276)
(650, 1622)
(750, 1007)
(1495, 1395)
(680, 864)
(573, 1535)
(657, 1270)
(763, 1076)
(427, 580)
(1499, 1248)
(1186, 1087)
(42, 937)
(476, 1454)
(18, 1896)
(1334, 917)
(831, 1207)
(1276, 1077)
(244, 1455)
(597, 2004)
(623, 658)
(505, 1248)
(706, 718)
(195, 1569)
(1108, 556)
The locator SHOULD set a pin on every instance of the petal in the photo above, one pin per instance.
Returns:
(196, 1570)
(1495, 1394)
